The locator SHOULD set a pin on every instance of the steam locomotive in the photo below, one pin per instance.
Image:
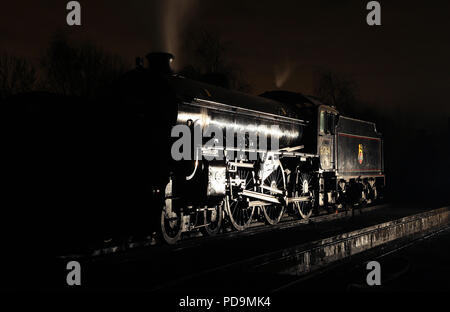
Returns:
(104, 167)
(323, 158)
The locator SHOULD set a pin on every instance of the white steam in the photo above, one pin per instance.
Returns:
(175, 16)
(283, 71)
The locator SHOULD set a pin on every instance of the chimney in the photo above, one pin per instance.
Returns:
(160, 62)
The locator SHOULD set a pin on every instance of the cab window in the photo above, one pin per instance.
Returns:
(331, 123)
(322, 122)
(327, 122)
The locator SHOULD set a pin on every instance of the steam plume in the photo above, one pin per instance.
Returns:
(283, 71)
(175, 16)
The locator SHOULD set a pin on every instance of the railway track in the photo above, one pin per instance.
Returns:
(247, 260)
(196, 239)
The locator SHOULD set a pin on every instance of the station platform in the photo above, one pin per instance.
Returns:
(262, 259)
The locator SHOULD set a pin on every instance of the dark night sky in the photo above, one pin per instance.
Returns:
(402, 65)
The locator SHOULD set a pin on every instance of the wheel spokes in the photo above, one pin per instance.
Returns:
(275, 181)
(240, 213)
(305, 207)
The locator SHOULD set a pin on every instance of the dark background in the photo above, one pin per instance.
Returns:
(397, 75)
(398, 66)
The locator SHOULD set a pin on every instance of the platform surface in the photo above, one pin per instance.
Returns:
(214, 265)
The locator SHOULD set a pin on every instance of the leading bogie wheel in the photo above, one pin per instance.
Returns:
(171, 225)
(213, 219)
(171, 218)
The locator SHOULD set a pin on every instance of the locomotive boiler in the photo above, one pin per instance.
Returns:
(238, 178)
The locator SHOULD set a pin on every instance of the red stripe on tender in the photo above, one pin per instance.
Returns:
(359, 137)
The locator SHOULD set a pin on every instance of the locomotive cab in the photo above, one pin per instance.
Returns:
(327, 117)
(350, 168)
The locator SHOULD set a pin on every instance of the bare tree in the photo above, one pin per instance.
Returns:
(81, 69)
(336, 90)
(17, 75)
(209, 61)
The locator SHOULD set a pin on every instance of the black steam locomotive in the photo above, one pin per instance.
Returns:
(104, 168)
(323, 159)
